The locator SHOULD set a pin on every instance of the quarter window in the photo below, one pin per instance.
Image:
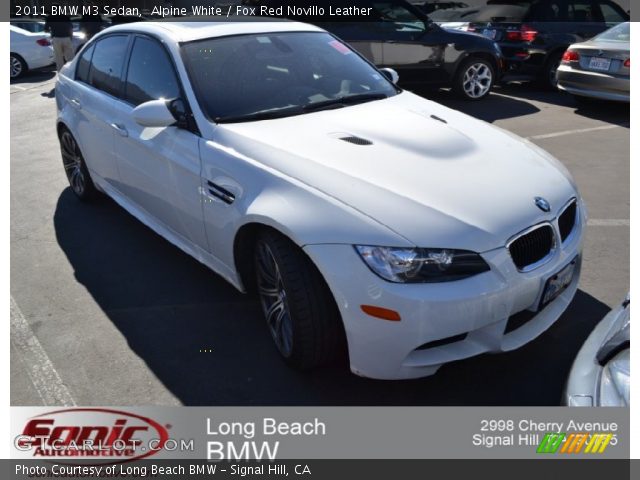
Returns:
(151, 75)
(84, 65)
(106, 66)
(612, 12)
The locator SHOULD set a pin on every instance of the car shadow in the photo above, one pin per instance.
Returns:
(491, 108)
(209, 345)
(617, 113)
(34, 76)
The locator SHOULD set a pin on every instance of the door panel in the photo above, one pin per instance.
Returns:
(159, 167)
(95, 113)
(160, 172)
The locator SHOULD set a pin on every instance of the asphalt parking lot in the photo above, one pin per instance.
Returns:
(106, 312)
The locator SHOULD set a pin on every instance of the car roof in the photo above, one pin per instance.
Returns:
(195, 29)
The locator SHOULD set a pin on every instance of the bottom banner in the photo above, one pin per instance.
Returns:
(329, 469)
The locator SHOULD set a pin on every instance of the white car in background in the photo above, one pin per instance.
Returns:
(37, 26)
(28, 51)
(362, 215)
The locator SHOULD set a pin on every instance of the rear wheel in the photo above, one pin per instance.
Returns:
(474, 79)
(301, 314)
(548, 79)
(18, 67)
(75, 167)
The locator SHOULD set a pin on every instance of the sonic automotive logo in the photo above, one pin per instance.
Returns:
(92, 432)
(575, 443)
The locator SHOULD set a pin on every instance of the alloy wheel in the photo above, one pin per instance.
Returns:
(273, 298)
(72, 160)
(16, 67)
(477, 80)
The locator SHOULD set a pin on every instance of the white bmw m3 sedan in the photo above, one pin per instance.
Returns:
(367, 219)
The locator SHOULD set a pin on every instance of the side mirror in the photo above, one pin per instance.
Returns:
(154, 113)
(391, 74)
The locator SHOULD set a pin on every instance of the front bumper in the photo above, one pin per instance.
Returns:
(593, 84)
(466, 317)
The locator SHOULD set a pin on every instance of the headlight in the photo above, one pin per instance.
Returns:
(615, 381)
(421, 265)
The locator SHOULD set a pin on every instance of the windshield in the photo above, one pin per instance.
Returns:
(279, 74)
(453, 14)
(619, 33)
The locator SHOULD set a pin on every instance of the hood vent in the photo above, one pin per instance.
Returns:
(356, 140)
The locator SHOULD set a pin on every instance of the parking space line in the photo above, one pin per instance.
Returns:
(40, 370)
(608, 222)
(572, 132)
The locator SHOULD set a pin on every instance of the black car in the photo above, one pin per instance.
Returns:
(397, 35)
(533, 35)
(430, 7)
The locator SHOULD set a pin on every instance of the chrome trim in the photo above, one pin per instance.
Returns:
(546, 258)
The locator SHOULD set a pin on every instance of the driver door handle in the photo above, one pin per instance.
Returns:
(122, 131)
(76, 103)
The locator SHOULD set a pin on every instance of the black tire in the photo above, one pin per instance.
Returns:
(75, 167)
(470, 87)
(547, 79)
(18, 67)
(315, 333)
(586, 101)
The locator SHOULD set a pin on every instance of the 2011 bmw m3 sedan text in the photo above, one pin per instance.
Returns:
(366, 219)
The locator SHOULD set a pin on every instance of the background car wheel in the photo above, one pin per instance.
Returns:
(474, 79)
(18, 66)
(548, 79)
(75, 167)
(301, 314)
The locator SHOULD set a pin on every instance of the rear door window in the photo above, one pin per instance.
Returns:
(584, 11)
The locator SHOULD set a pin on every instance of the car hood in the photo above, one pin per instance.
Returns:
(435, 176)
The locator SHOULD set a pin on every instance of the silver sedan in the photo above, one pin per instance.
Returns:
(600, 375)
(598, 68)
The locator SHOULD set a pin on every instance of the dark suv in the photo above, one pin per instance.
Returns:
(398, 35)
(533, 35)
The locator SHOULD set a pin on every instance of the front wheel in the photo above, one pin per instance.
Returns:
(474, 79)
(75, 167)
(301, 314)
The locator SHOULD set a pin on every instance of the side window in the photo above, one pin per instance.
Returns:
(84, 65)
(106, 65)
(584, 11)
(612, 12)
(151, 75)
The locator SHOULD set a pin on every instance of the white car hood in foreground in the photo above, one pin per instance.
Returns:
(451, 181)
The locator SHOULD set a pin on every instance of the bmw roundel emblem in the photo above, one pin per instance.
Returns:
(542, 204)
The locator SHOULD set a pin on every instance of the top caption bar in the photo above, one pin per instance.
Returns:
(246, 10)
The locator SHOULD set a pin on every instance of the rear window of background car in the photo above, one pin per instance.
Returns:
(106, 64)
(151, 75)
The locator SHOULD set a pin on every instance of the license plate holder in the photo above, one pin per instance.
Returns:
(556, 284)
(489, 33)
(600, 64)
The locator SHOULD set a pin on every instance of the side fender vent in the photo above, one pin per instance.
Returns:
(356, 140)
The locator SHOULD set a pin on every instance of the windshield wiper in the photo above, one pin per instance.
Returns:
(344, 101)
(263, 115)
(291, 111)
